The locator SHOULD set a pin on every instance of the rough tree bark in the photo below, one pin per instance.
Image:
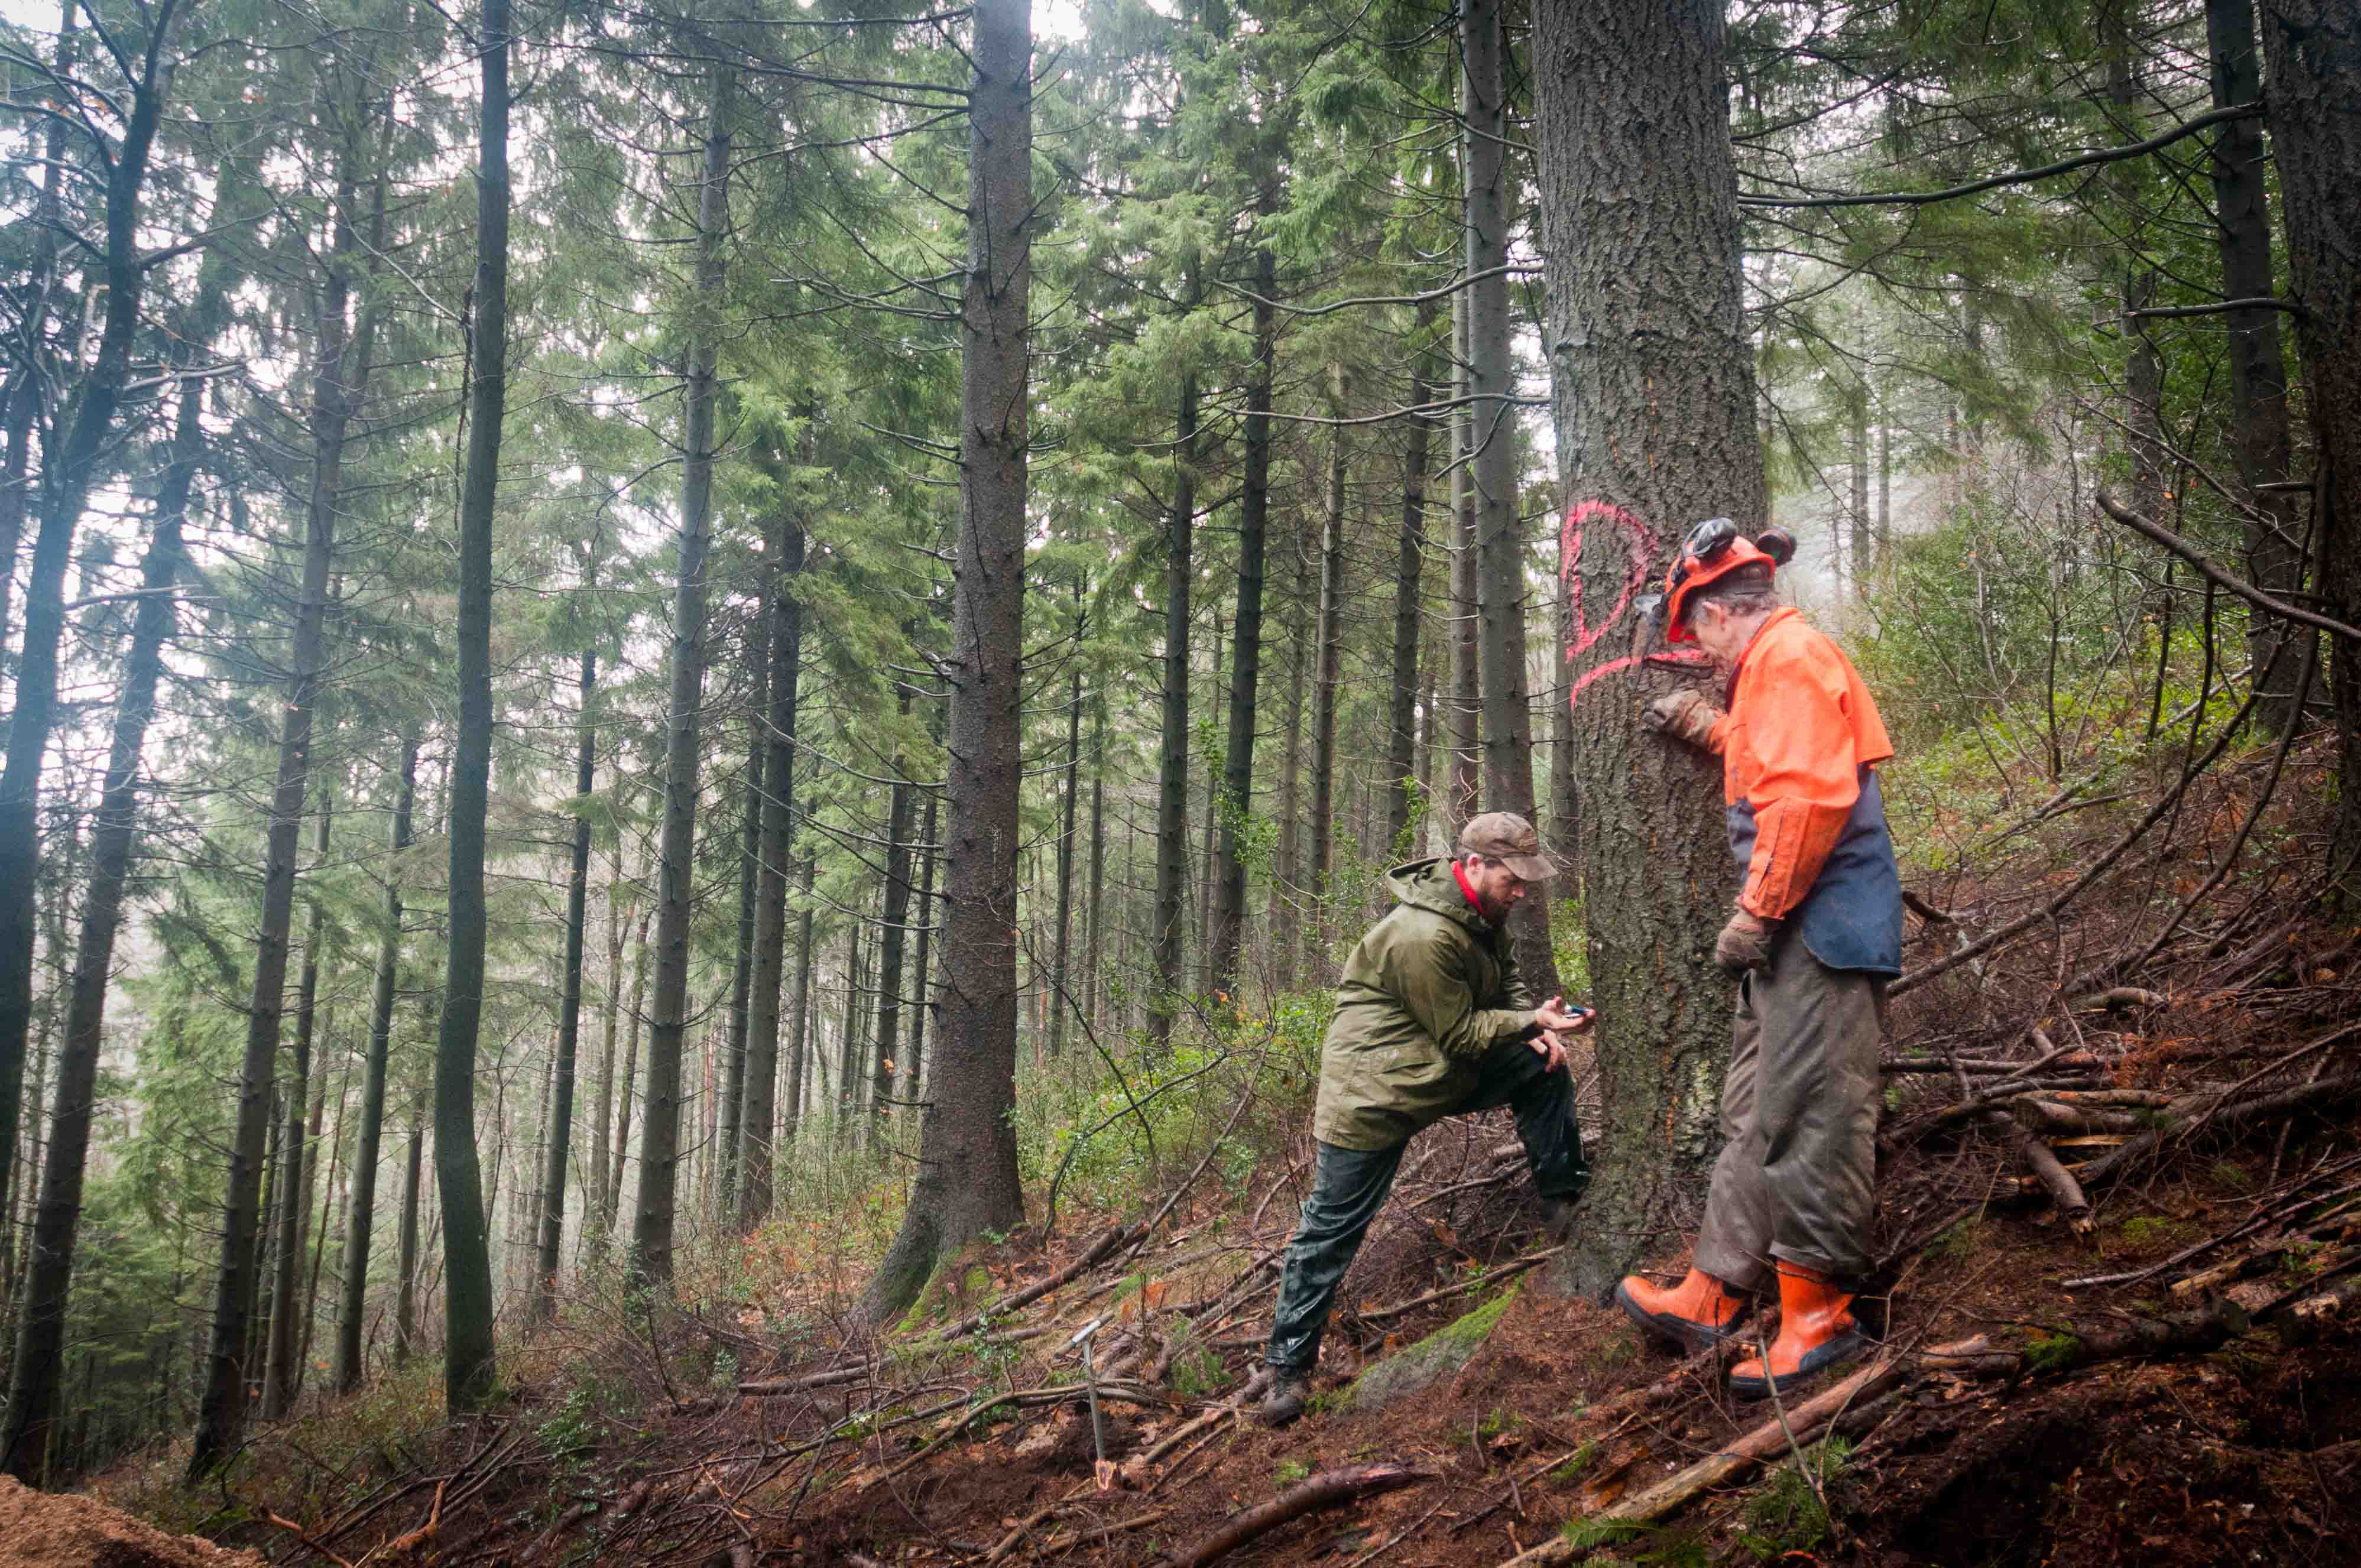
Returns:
(2314, 105)
(360, 1217)
(1070, 792)
(1654, 409)
(1328, 642)
(967, 1182)
(892, 931)
(652, 1216)
(278, 1378)
(730, 1113)
(2259, 410)
(467, 1367)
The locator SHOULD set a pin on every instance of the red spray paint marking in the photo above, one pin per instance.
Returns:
(1639, 544)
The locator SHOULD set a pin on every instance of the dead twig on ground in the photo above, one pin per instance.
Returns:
(1330, 1489)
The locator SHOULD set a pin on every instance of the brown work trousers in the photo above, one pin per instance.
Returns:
(1796, 1177)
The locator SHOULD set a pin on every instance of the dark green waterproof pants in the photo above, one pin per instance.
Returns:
(1349, 1185)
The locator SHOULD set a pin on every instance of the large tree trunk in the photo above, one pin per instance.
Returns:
(759, 1116)
(20, 396)
(1492, 382)
(2142, 368)
(1463, 793)
(32, 1407)
(467, 1370)
(65, 485)
(1093, 950)
(625, 1097)
(2314, 98)
(1169, 934)
(2258, 411)
(1235, 807)
(278, 1378)
(360, 1217)
(560, 1123)
(652, 1216)
(967, 1181)
(799, 1047)
(1654, 406)
(596, 1219)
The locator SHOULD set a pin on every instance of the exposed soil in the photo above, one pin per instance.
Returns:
(44, 1530)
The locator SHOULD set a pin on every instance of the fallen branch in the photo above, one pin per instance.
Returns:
(297, 1530)
(1669, 1496)
(1492, 1276)
(2107, 1167)
(1330, 1489)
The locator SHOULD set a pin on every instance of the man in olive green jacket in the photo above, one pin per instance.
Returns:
(1432, 1020)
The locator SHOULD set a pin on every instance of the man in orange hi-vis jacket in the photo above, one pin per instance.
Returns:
(1814, 938)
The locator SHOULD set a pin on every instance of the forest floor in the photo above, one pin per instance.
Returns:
(2171, 1374)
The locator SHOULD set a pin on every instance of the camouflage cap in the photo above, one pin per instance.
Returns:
(1504, 837)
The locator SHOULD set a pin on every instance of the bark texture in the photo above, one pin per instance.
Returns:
(967, 1182)
(2313, 99)
(760, 1115)
(1654, 409)
(1167, 939)
(1229, 890)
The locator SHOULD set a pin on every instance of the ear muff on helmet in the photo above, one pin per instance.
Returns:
(1713, 550)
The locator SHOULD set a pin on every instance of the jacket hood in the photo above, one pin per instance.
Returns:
(1428, 885)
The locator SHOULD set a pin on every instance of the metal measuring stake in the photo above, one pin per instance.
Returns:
(1091, 1382)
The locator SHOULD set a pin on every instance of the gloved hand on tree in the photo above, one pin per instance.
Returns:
(1685, 715)
(1745, 943)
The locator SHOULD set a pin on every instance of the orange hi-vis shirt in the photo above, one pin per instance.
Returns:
(1795, 747)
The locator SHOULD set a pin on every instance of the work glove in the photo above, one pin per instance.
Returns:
(1745, 943)
(1685, 715)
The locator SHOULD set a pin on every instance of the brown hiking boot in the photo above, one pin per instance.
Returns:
(1287, 1397)
(1697, 1314)
(1817, 1329)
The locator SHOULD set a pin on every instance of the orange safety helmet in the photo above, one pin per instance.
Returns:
(1713, 550)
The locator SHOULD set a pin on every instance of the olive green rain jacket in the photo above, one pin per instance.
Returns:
(1429, 989)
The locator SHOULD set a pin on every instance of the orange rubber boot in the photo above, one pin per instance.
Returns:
(1697, 1313)
(1817, 1329)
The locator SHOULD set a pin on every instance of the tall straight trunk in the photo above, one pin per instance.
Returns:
(2314, 98)
(65, 485)
(967, 1182)
(625, 1098)
(278, 1378)
(1410, 563)
(1168, 932)
(222, 1415)
(922, 994)
(1063, 944)
(405, 1263)
(1492, 474)
(1655, 416)
(360, 1216)
(32, 1409)
(1093, 945)
(849, 1076)
(652, 1221)
(760, 1117)
(1566, 800)
(1328, 672)
(1463, 796)
(559, 1137)
(1431, 749)
(1229, 889)
(595, 1218)
(1884, 480)
(257, 1305)
(892, 935)
(2259, 408)
(335, 1147)
(799, 1044)
(468, 1369)
(728, 1116)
